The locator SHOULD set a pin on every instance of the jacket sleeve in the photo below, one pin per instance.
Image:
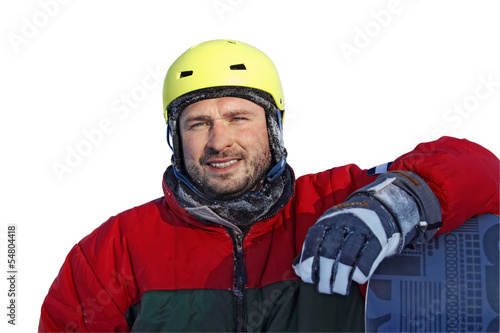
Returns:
(77, 301)
(463, 175)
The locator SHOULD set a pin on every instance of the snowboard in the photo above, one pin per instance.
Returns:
(450, 284)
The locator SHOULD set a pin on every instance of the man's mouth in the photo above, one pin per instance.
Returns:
(221, 165)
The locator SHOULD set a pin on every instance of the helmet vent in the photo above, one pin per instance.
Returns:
(185, 73)
(238, 67)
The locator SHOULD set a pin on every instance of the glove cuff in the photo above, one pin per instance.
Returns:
(411, 202)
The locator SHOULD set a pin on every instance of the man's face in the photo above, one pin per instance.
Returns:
(225, 146)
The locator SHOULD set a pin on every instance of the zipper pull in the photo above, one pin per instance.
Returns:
(240, 259)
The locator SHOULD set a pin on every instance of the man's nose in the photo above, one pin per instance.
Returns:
(220, 136)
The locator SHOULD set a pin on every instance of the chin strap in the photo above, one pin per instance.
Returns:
(276, 170)
(182, 178)
(169, 136)
(280, 166)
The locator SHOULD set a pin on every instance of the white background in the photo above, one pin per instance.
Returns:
(67, 66)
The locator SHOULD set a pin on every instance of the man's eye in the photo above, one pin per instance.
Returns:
(198, 125)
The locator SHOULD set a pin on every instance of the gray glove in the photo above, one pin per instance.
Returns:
(349, 240)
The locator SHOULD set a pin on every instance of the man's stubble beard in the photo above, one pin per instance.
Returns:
(224, 188)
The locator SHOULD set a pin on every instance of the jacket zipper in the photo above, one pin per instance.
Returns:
(240, 280)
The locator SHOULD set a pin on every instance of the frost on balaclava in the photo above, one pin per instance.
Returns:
(249, 207)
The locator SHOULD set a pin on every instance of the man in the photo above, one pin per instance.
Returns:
(236, 243)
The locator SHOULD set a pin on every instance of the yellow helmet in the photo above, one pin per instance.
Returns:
(222, 63)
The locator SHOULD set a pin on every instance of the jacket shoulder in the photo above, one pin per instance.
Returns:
(142, 217)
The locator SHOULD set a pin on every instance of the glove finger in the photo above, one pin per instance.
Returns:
(348, 256)
(307, 266)
(329, 251)
(369, 258)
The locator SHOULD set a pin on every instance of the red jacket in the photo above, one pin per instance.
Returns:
(155, 267)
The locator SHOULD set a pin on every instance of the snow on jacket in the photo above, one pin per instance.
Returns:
(156, 268)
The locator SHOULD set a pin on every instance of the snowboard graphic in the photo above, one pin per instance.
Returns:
(450, 284)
